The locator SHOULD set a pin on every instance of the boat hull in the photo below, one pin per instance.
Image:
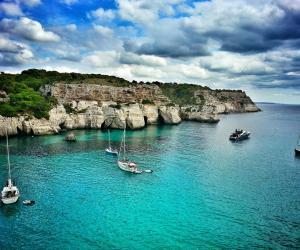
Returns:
(112, 152)
(240, 138)
(10, 200)
(125, 167)
(297, 152)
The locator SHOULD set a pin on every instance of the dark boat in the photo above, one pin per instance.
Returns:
(239, 135)
(297, 149)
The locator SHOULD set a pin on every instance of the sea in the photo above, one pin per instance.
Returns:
(205, 191)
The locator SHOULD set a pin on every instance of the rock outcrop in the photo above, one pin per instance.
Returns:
(170, 114)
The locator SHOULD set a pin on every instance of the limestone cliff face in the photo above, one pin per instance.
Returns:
(102, 93)
(99, 106)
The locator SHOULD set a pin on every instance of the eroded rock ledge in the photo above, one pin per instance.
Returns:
(100, 106)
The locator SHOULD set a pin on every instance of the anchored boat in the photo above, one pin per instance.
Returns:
(239, 134)
(109, 149)
(123, 162)
(10, 193)
(297, 149)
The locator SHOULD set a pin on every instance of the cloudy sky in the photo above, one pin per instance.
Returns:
(251, 45)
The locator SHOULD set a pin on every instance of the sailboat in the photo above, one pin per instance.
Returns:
(125, 164)
(297, 149)
(10, 193)
(110, 150)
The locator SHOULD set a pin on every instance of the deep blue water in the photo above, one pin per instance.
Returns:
(205, 192)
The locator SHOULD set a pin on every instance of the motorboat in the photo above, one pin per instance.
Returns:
(239, 134)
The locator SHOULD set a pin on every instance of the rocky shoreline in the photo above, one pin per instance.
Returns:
(92, 106)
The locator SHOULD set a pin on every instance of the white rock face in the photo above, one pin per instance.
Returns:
(151, 112)
(170, 114)
(11, 125)
(39, 127)
(57, 115)
(82, 105)
(201, 117)
(114, 117)
(251, 108)
(134, 116)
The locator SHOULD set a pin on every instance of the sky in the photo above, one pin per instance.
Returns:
(237, 44)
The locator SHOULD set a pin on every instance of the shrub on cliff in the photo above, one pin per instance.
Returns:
(26, 100)
(147, 101)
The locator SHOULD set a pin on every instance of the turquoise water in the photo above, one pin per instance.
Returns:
(205, 192)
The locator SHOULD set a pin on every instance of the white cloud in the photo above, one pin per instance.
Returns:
(14, 53)
(131, 58)
(144, 11)
(102, 14)
(236, 63)
(28, 29)
(31, 3)
(149, 72)
(71, 27)
(99, 59)
(103, 31)
(11, 9)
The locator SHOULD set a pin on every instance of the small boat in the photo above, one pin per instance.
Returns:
(125, 164)
(109, 149)
(10, 193)
(297, 148)
(28, 202)
(239, 134)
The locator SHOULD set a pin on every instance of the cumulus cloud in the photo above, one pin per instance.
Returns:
(102, 15)
(100, 59)
(103, 31)
(144, 11)
(236, 64)
(11, 9)
(13, 53)
(28, 29)
(131, 58)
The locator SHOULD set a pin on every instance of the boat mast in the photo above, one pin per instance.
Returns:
(124, 136)
(109, 139)
(7, 151)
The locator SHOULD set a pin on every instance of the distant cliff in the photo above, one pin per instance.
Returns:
(41, 104)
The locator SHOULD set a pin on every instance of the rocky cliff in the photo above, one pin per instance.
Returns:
(100, 106)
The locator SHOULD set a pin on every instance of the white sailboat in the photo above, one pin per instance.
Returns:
(110, 150)
(125, 164)
(10, 193)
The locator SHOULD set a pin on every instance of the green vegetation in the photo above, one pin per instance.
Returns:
(147, 101)
(181, 94)
(68, 108)
(116, 106)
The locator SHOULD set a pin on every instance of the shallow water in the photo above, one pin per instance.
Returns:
(205, 192)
